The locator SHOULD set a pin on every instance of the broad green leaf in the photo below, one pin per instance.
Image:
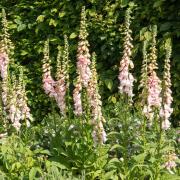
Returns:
(21, 27)
(92, 12)
(116, 146)
(113, 99)
(62, 14)
(110, 175)
(33, 172)
(52, 22)
(114, 160)
(109, 83)
(140, 157)
(54, 10)
(73, 35)
(124, 3)
(23, 52)
(40, 18)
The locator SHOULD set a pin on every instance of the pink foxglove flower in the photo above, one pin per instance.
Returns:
(49, 85)
(99, 134)
(14, 113)
(77, 98)
(154, 90)
(148, 112)
(22, 101)
(48, 82)
(153, 82)
(62, 76)
(5, 91)
(61, 92)
(3, 135)
(6, 48)
(171, 161)
(125, 77)
(143, 79)
(83, 63)
(57, 89)
(83, 56)
(10, 92)
(4, 61)
(166, 109)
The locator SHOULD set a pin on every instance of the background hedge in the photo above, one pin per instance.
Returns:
(32, 21)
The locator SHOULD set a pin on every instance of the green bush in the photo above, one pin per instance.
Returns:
(31, 22)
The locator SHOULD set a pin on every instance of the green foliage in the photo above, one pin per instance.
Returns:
(72, 146)
(64, 148)
(18, 160)
(31, 22)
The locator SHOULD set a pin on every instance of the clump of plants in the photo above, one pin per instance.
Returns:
(80, 139)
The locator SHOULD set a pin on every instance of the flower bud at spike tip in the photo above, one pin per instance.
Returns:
(83, 56)
(83, 63)
(167, 98)
(48, 81)
(153, 82)
(99, 134)
(125, 77)
(62, 76)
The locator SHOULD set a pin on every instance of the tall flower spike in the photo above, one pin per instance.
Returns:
(99, 134)
(153, 82)
(14, 113)
(66, 59)
(166, 109)
(4, 62)
(4, 47)
(77, 97)
(153, 51)
(6, 55)
(6, 42)
(48, 81)
(22, 101)
(144, 75)
(61, 83)
(83, 63)
(125, 77)
(83, 56)
(144, 69)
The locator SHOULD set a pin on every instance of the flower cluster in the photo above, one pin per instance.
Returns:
(13, 91)
(83, 63)
(77, 97)
(48, 81)
(62, 77)
(22, 100)
(99, 134)
(144, 75)
(57, 88)
(125, 77)
(153, 82)
(4, 60)
(17, 107)
(166, 109)
(170, 161)
(6, 49)
(83, 56)
(14, 113)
